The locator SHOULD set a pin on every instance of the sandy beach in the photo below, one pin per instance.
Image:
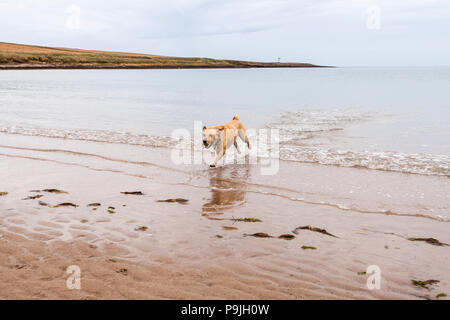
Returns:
(225, 159)
(139, 247)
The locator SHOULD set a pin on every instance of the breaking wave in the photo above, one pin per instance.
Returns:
(92, 135)
(301, 139)
(300, 134)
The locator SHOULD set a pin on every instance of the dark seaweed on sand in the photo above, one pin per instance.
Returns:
(33, 197)
(65, 204)
(57, 191)
(123, 271)
(229, 228)
(246, 219)
(258, 235)
(432, 241)
(177, 200)
(136, 193)
(286, 237)
(45, 204)
(323, 231)
(233, 219)
(266, 235)
(95, 204)
(424, 284)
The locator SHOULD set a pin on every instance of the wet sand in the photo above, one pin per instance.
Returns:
(185, 252)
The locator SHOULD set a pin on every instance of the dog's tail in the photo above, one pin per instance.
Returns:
(236, 117)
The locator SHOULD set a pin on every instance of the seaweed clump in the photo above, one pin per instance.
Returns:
(432, 241)
(258, 235)
(57, 191)
(424, 284)
(177, 200)
(123, 271)
(141, 228)
(246, 219)
(229, 228)
(65, 204)
(44, 204)
(33, 197)
(95, 204)
(286, 237)
(311, 228)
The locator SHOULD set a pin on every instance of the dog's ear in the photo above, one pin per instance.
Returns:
(204, 128)
(220, 127)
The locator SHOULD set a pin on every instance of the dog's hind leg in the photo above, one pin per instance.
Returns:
(247, 142)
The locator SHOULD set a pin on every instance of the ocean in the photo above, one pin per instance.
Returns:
(392, 119)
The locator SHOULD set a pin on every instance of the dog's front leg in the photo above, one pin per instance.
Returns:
(219, 156)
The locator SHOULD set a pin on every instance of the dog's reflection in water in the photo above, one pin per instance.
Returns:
(228, 188)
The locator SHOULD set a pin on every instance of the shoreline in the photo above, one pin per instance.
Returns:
(20, 57)
(206, 66)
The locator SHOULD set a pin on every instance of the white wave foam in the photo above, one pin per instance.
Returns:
(388, 161)
(318, 121)
(428, 164)
(92, 135)
(300, 134)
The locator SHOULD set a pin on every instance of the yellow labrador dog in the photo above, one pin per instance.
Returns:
(222, 137)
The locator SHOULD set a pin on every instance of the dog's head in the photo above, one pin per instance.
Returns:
(211, 136)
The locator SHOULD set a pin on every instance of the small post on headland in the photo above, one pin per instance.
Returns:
(279, 59)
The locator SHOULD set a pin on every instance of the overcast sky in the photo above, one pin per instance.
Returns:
(332, 32)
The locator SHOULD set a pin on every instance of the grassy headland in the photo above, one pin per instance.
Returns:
(18, 56)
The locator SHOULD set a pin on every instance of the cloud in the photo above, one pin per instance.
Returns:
(320, 31)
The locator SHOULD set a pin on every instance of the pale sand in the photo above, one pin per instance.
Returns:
(180, 256)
